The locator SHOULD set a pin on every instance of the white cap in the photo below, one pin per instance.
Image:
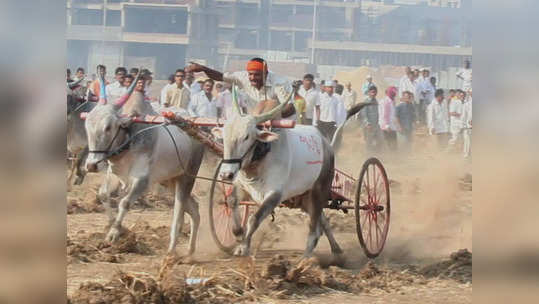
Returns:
(368, 76)
(330, 83)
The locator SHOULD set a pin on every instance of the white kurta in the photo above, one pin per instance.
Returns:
(406, 84)
(455, 106)
(163, 95)
(276, 87)
(114, 91)
(201, 106)
(437, 117)
(466, 75)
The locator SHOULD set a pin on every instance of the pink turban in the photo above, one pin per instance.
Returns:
(391, 92)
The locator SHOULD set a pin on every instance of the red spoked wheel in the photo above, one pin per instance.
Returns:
(372, 206)
(221, 220)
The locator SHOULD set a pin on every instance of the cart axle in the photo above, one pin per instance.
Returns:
(377, 208)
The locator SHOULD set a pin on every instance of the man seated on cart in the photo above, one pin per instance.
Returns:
(263, 89)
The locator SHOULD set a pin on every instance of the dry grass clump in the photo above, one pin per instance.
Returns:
(279, 278)
(458, 267)
(140, 239)
(84, 206)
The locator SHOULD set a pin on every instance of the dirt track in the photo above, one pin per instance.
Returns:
(431, 218)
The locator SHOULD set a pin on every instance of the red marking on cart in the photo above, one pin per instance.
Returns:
(313, 162)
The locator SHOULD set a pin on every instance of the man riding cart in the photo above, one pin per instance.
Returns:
(264, 89)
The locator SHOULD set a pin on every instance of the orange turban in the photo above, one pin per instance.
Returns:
(255, 66)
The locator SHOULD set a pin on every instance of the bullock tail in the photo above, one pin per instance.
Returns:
(337, 137)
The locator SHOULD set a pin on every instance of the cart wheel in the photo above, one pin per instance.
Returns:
(221, 221)
(372, 207)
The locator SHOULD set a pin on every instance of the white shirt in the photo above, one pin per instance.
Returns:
(312, 99)
(224, 102)
(467, 114)
(193, 88)
(114, 91)
(466, 75)
(456, 107)
(201, 106)
(437, 116)
(276, 87)
(406, 85)
(330, 108)
(163, 95)
(350, 97)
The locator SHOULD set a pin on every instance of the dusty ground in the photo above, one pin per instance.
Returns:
(431, 209)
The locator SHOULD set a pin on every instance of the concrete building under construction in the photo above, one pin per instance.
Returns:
(164, 34)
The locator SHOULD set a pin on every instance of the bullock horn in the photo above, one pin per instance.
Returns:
(235, 100)
(122, 100)
(102, 91)
(73, 84)
(268, 115)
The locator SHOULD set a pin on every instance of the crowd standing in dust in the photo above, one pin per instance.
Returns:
(401, 111)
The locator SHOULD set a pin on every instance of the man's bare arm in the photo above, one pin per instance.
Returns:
(213, 74)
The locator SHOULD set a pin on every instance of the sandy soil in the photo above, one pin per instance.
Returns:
(430, 218)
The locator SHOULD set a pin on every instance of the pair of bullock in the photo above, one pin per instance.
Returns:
(140, 156)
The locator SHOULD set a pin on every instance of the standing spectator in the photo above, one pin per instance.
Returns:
(94, 88)
(425, 94)
(349, 96)
(134, 72)
(163, 94)
(329, 110)
(128, 80)
(177, 95)
(407, 82)
(79, 74)
(192, 86)
(367, 85)
(416, 75)
(466, 76)
(386, 118)
(369, 121)
(115, 89)
(202, 104)
(455, 117)
(312, 99)
(437, 118)
(405, 114)
(467, 126)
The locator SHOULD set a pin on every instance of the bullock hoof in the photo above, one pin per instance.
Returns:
(241, 250)
(78, 180)
(238, 231)
(113, 235)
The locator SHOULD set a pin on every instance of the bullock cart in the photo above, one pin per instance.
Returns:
(368, 195)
